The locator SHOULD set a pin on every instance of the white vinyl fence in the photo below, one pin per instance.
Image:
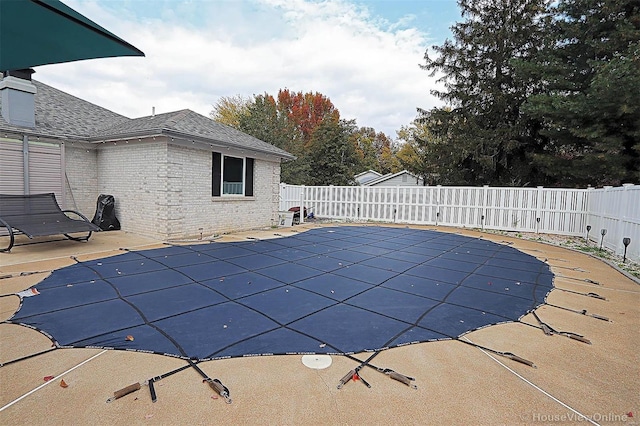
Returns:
(545, 210)
(616, 210)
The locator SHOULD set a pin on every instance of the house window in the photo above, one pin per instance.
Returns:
(232, 175)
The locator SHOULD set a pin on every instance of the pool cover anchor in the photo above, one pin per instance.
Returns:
(125, 391)
(346, 378)
(353, 375)
(400, 378)
(219, 388)
(214, 384)
(550, 331)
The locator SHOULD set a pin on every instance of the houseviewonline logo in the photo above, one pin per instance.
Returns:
(570, 416)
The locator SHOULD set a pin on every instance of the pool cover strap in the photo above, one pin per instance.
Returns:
(152, 390)
(581, 312)
(550, 331)
(151, 381)
(590, 294)
(355, 373)
(509, 355)
(2, 364)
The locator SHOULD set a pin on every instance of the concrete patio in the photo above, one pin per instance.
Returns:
(457, 383)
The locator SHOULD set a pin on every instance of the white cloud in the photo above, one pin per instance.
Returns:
(197, 52)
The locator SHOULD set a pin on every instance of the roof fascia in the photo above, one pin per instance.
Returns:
(35, 133)
(193, 140)
(211, 143)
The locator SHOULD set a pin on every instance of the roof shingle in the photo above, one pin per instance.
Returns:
(59, 114)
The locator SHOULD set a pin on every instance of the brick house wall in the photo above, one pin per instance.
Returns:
(191, 208)
(81, 183)
(164, 190)
(135, 174)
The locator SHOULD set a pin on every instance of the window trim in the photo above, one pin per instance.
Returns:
(217, 190)
(244, 165)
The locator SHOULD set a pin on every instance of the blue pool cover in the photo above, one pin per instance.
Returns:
(330, 290)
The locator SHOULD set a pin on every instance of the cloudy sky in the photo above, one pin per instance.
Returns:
(363, 54)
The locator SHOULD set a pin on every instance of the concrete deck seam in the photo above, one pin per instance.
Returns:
(537, 387)
(50, 381)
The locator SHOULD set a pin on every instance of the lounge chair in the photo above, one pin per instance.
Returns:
(40, 215)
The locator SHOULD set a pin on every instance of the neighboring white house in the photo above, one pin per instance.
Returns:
(403, 178)
(367, 176)
(173, 175)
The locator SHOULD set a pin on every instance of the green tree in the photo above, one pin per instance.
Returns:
(290, 121)
(434, 159)
(262, 120)
(364, 140)
(416, 153)
(375, 150)
(332, 153)
(489, 138)
(590, 106)
(387, 159)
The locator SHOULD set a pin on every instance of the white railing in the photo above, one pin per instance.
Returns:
(545, 210)
(232, 188)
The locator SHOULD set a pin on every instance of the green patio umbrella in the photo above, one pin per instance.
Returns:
(39, 32)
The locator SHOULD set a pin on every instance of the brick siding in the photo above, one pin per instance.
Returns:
(81, 183)
(191, 208)
(164, 190)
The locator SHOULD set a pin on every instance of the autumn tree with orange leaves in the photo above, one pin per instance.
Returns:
(290, 120)
(305, 112)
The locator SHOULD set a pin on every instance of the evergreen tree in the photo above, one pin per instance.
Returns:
(483, 129)
(590, 106)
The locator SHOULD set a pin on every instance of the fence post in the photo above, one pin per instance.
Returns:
(301, 204)
(589, 210)
(438, 204)
(483, 213)
(621, 210)
(539, 209)
(607, 216)
(397, 208)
